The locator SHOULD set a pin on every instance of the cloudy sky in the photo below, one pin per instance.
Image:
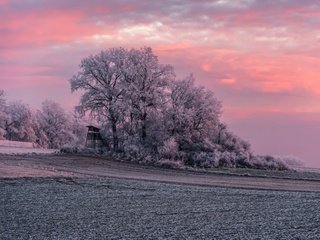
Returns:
(260, 57)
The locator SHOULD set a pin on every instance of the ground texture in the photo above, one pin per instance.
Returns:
(81, 197)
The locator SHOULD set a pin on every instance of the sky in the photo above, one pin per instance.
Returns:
(261, 58)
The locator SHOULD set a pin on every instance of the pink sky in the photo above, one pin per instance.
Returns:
(260, 57)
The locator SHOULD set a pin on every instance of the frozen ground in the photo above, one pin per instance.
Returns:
(57, 165)
(22, 150)
(82, 197)
(103, 208)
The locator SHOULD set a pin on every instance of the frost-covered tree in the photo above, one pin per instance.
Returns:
(19, 123)
(39, 130)
(148, 116)
(79, 129)
(55, 125)
(148, 83)
(121, 89)
(235, 151)
(193, 113)
(101, 78)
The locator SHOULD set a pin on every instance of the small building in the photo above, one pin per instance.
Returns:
(94, 139)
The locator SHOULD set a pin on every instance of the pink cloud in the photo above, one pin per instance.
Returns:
(3, 2)
(228, 81)
(206, 67)
(40, 28)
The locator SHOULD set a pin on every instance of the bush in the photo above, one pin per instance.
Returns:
(169, 149)
(166, 163)
(291, 161)
(268, 163)
(79, 149)
(201, 159)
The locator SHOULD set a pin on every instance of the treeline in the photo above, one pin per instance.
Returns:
(147, 115)
(49, 127)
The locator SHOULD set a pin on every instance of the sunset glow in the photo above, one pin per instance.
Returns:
(261, 58)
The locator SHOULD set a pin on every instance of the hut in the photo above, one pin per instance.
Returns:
(94, 139)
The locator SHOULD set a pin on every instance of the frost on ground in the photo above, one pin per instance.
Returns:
(22, 150)
(61, 196)
(33, 165)
(102, 208)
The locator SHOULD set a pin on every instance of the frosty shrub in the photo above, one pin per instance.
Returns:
(167, 163)
(132, 149)
(268, 163)
(169, 149)
(19, 122)
(227, 159)
(69, 149)
(78, 149)
(291, 161)
(244, 160)
(201, 159)
(136, 152)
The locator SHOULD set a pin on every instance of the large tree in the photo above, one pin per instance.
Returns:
(122, 88)
(148, 83)
(101, 78)
(193, 114)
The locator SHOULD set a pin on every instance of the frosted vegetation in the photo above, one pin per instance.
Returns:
(50, 127)
(144, 112)
(147, 115)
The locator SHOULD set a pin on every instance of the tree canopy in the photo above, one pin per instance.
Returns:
(148, 115)
(144, 113)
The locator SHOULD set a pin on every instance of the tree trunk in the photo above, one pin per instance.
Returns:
(115, 137)
(144, 127)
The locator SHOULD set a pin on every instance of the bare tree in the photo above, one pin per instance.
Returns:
(101, 78)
